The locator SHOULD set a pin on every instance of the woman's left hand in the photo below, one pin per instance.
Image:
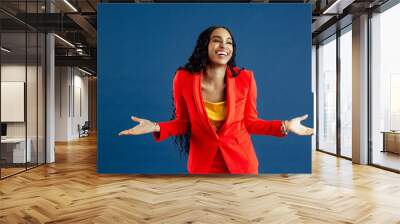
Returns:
(296, 127)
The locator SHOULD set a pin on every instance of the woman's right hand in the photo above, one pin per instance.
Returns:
(145, 126)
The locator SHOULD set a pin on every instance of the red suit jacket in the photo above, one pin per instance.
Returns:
(233, 138)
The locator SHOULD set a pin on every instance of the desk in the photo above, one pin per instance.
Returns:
(391, 141)
(15, 148)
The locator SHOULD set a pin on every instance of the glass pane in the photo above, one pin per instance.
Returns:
(13, 86)
(386, 88)
(346, 94)
(23, 87)
(327, 96)
(16, 8)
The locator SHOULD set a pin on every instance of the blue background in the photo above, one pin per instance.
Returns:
(140, 46)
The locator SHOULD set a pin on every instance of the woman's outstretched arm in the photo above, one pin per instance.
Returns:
(163, 130)
(255, 125)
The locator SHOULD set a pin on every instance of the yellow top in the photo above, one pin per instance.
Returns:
(216, 112)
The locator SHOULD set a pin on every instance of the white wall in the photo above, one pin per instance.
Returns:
(61, 103)
(16, 72)
(10, 73)
(80, 103)
(71, 93)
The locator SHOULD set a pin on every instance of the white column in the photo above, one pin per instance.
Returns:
(360, 90)
(50, 110)
(50, 91)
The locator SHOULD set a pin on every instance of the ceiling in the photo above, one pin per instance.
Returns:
(76, 22)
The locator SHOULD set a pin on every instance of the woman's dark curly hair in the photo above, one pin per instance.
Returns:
(197, 62)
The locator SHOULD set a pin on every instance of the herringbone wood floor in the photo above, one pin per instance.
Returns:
(70, 191)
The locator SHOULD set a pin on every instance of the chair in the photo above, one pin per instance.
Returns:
(84, 130)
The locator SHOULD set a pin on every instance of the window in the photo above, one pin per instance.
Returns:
(327, 95)
(385, 88)
(346, 92)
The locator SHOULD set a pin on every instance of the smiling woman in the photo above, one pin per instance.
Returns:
(215, 110)
(220, 48)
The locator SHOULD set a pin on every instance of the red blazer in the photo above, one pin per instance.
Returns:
(233, 138)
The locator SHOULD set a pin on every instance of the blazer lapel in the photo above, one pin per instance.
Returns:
(196, 93)
(198, 101)
(230, 98)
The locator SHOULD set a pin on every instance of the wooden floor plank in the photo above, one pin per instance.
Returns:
(70, 191)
